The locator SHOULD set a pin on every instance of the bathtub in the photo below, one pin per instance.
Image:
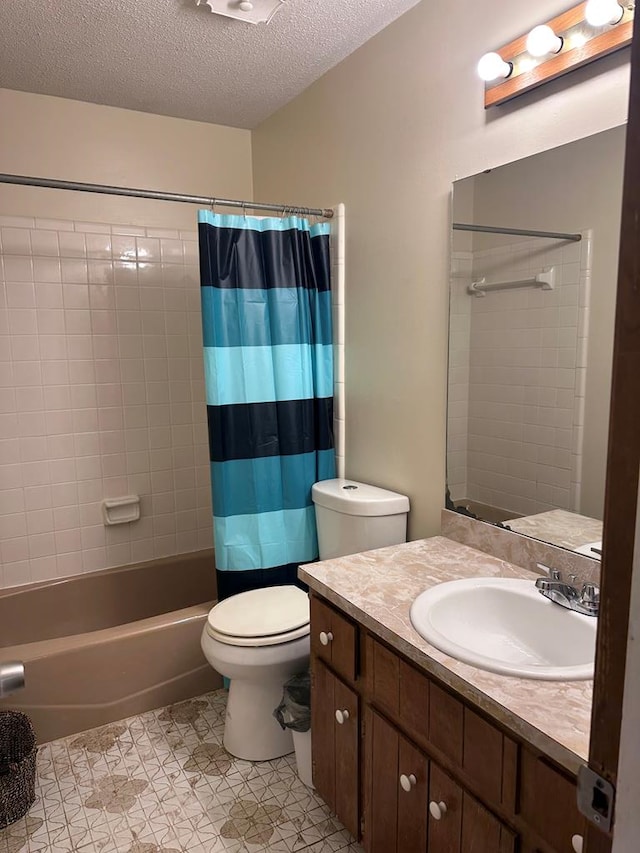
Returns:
(103, 646)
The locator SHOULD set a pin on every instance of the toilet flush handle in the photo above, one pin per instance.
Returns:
(326, 637)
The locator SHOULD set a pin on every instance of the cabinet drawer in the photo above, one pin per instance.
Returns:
(548, 803)
(333, 638)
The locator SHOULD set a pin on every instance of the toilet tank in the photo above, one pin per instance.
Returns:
(353, 517)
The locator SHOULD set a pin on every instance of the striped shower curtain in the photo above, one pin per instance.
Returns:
(266, 315)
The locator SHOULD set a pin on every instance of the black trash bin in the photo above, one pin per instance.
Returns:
(17, 766)
(294, 712)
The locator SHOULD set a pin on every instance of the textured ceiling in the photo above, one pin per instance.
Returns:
(176, 58)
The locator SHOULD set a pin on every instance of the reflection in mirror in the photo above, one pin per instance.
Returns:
(531, 341)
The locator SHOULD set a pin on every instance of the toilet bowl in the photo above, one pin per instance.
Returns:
(258, 639)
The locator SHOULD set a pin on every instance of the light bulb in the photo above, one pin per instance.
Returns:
(599, 13)
(492, 66)
(542, 40)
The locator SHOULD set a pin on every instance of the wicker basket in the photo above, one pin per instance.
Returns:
(17, 766)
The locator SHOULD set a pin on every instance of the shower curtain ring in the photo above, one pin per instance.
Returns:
(244, 210)
(212, 204)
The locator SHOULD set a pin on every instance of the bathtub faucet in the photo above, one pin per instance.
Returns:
(11, 677)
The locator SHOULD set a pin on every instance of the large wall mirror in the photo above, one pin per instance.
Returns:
(531, 340)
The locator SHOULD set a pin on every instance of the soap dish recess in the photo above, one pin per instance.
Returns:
(121, 510)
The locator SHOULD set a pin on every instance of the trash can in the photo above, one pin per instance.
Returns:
(17, 766)
(294, 712)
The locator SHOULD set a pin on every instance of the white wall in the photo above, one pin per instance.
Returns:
(76, 141)
(386, 132)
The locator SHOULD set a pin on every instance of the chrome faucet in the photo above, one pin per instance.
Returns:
(585, 601)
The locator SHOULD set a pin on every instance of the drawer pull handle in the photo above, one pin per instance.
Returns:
(576, 843)
(342, 716)
(437, 810)
(326, 637)
(407, 782)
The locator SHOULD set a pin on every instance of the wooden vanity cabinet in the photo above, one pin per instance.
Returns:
(412, 768)
(412, 806)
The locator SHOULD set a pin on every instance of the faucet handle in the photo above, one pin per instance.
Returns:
(554, 574)
(590, 594)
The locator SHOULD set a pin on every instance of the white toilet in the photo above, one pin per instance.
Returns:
(259, 639)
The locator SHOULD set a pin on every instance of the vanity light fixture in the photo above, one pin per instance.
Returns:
(542, 41)
(586, 32)
(249, 11)
(599, 13)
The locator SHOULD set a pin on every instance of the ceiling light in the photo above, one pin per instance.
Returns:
(249, 11)
(492, 67)
(542, 41)
(599, 13)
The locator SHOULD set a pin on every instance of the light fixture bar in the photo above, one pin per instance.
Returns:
(582, 43)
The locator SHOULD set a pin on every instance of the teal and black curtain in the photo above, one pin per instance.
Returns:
(268, 355)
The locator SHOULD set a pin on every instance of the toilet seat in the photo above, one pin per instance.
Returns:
(260, 617)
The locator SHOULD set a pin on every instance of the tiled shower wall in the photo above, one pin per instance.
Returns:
(522, 354)
(102, 394)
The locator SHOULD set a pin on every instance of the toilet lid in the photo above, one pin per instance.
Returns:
(261, 613)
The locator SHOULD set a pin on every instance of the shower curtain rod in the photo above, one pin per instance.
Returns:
(517, 232)
(51, 183)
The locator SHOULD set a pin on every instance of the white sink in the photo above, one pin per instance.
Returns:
(506, 626)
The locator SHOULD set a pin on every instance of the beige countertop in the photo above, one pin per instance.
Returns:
(559, 527)
(377, 589)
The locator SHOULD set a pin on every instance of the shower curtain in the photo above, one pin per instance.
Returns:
(268, 355)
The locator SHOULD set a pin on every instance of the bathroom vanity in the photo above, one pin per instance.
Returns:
(417, 752)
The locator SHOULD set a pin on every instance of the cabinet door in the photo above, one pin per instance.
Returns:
(334, 723)
(396, 819)
(445, 813)
(548, 803)
(413, 800)
(459, 824)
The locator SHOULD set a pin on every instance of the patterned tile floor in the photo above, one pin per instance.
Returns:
(161, 782)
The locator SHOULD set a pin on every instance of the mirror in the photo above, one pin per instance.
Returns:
(531, 340)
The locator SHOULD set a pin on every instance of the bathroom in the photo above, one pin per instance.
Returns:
(386, 131)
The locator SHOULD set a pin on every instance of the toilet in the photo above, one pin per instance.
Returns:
(259, 639)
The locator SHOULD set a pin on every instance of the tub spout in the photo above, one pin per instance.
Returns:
(11, 677)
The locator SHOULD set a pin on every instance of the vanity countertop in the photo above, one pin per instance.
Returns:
(377, 589)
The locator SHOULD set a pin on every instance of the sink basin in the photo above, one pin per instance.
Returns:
(506, 626)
